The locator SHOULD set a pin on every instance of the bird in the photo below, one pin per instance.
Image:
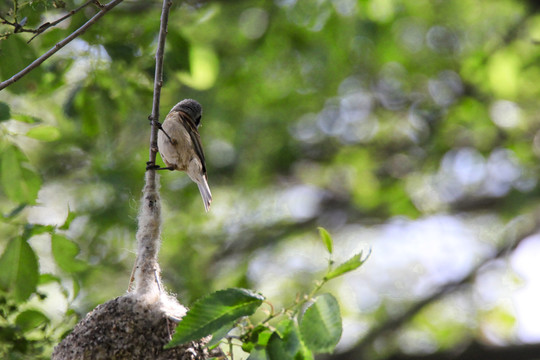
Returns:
(179, 145)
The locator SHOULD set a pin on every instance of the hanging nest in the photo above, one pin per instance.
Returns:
(128, 328)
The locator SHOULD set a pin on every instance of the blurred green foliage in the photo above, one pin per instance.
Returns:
(334, 113)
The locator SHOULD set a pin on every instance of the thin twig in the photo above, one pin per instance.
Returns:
(158, 82)
(106, 8)
(47, 25)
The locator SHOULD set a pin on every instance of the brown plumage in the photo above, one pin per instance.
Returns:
(182, 149)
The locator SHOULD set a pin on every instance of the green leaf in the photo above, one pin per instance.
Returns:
(285, 343)
(220, 334)
(19, 272)
(260, 335)
(64, 252)
(49, 278)
(16, 211)
(258, 353)
(327, 239)
(15, 55)
(213, 311)
(30, 320)
(320, 325)
(70, 216)
(44, 133)
(26, 118)
(20, 184)
(35, 229)
(5, 113)
(352, 264)
(204, 66)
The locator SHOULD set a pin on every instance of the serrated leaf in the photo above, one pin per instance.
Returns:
(20, 184)
(352, 264)
(213, 311)
(43, 133)
(19, 272)
(220, 334)
(320, 325)
(64, 252)
(31, 319)
(327, 239)
(5, 113)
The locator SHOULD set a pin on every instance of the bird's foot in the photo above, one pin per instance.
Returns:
(152, 166)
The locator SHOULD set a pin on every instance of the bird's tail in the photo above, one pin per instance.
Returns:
(204, 189)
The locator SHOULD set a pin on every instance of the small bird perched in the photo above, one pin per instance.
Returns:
(180, 145)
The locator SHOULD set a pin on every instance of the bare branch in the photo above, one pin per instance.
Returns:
(47, 25)
(106, 8)
(158, 80)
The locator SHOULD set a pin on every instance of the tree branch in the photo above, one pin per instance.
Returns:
(18, 27)
(146, 272)
(47, 25)
(158, 82)
(104, 9)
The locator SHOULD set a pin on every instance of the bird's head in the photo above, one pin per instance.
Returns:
(190, 107)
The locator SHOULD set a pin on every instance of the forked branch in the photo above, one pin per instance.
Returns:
(104, 9)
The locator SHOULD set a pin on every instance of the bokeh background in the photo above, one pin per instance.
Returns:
(408, 128)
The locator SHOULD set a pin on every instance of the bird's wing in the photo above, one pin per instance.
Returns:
(191, 128)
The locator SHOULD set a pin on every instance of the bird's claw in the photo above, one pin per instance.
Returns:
(152, 166)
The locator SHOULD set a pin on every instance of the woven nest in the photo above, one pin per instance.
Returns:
(128, 328)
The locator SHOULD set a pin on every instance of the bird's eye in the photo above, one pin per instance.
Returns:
(198, 120)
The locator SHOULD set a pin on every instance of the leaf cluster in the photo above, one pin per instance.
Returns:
(311, 325)
(26, 330)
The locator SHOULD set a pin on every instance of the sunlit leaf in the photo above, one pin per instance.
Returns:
(71, 215)
(44, 133)
(327, 239)
(204, 65)
(31, 319)
(19, 272)
(35, 229)
(64, 252)
(48, 278)
(19, 183)
(320, 325)
(352, 264)
(214, 311)
(26, 118)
